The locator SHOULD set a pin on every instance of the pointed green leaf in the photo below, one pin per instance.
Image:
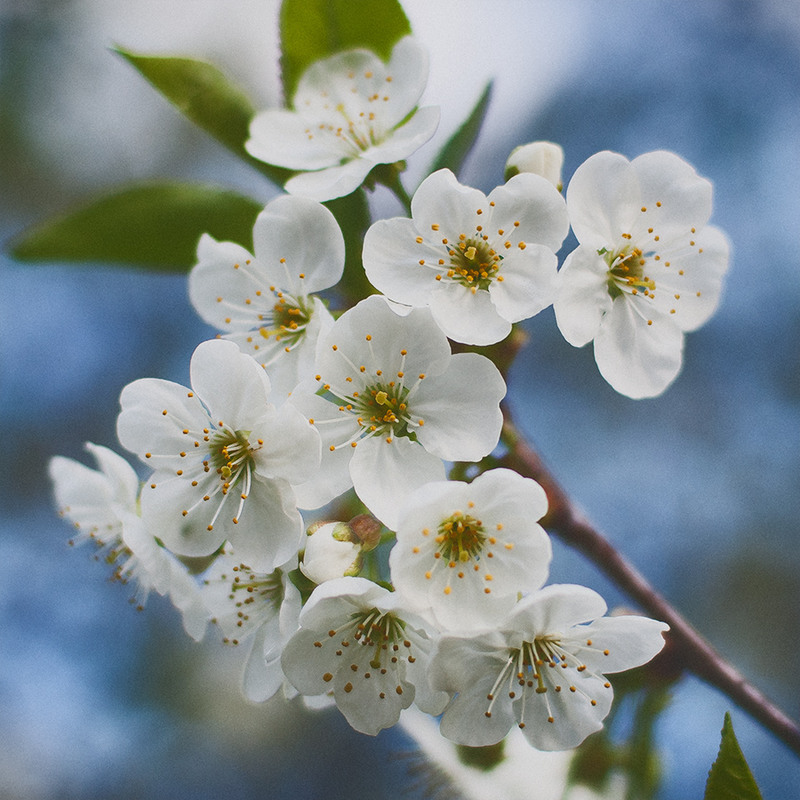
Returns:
(730, 777)
(205, 95)
(315, 29)
(156, 226)
(455, 152)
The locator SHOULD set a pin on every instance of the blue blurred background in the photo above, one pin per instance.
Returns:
(700, 488)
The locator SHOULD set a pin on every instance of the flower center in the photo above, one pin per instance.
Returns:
(288, 320)
(256, 596)
(461, 537)
(231, 454)
(626, 272)
(382, 632)
(473, 262)
(382, 410)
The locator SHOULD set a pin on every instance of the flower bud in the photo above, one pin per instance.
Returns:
(540, 158)
(331, 552)
(366, 530)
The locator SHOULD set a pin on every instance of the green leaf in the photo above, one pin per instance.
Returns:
(155, 225)
(730, 777)
(205, 95)
(455, 152)
(315, 29)
(352, 214)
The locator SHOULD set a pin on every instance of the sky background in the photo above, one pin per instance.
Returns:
(700, 488)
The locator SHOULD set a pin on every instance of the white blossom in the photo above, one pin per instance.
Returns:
(256, 610)
(102, 506)
(465, 551)
(394, 403)
(540, 158)
(648, 267)
(357, 640)
(264, 302)
(350, 112)
(543, 668)
(224, 458)
(479, 263)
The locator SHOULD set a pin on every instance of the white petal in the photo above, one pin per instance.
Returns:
(467, 317)
(555, 609)
(144, 427)
(692, 284)
(603, 199)
(638, 359)
(300, 244)
(461, 409)
(220, 283)
(384, 474)
(408, 70)
(286, 139)
(534, 203)
(528, 285)
(335, 181)
(406, 139)
(263, 675)
(620, 643)
(582, 297)
(291, 448)
(233, 386)
(391, 260)
(451, 207)
(675, 196)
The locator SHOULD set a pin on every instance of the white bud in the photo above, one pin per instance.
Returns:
(540, 158)
(330, 553)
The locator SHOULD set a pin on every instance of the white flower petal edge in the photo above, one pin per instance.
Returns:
(648, 267)
(461, 247)
(393, 404)
(259, 611)
(350, 113)
(357, 640)
(223, 458)
(101, 504)
(543, 668)
(264, 302)
(465, 551)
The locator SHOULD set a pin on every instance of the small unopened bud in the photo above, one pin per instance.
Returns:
(332, 551)
(540, 158)
(367, 530)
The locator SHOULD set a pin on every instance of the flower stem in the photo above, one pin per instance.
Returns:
(689, 648)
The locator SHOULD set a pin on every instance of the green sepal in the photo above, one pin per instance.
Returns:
(459, 145)
(303, 584)
(203, 94)
(315, 29)
(154, 225)
(730, 777)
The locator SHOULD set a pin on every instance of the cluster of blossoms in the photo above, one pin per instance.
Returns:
(291, 407)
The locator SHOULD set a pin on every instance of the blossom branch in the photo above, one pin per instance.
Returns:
(688, 647)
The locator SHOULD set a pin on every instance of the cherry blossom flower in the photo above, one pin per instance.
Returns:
(395, 402)
(101, 504)
(466, 550)
(350, 112)
(357, 640)
(264, 302)
(480, 263)
(257, 610)
(224, 458)
(540, 158)
(543, 667)
(648, 267)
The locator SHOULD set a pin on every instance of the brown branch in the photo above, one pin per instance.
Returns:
(689, 648)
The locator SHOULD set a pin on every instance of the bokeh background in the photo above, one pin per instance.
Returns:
(700, 487)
